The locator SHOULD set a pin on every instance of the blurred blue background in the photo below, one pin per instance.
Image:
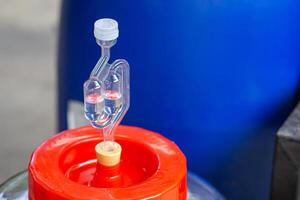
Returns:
(218, 77)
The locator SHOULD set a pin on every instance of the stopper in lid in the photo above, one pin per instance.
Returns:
(108, 153)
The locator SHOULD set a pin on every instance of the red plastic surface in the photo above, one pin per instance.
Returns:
(65, 167)
(138, 162)
(108, 177)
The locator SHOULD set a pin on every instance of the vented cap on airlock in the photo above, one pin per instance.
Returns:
(106, 29)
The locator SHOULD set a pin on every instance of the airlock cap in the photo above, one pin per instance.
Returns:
(106, 29)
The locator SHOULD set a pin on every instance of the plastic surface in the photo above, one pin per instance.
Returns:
(107, 92)
(218, 77)
(64, 166)
(108, 177)
(138, 161)
(16, 188)
(106, 29)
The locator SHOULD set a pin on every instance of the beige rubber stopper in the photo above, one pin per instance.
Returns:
(108, 153)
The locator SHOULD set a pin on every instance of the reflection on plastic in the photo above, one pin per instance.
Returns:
(64, 167)
(16, 188)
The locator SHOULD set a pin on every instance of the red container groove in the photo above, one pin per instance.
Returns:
(64, 167)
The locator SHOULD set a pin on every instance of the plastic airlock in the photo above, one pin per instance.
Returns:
(106, 92)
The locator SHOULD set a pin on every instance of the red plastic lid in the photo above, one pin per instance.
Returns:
(152, 167)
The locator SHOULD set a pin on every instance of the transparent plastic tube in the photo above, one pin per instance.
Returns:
(107, 91)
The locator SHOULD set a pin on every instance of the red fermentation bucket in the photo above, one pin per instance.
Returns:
(65, 167)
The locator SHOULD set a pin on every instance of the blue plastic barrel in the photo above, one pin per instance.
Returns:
(218, 77)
